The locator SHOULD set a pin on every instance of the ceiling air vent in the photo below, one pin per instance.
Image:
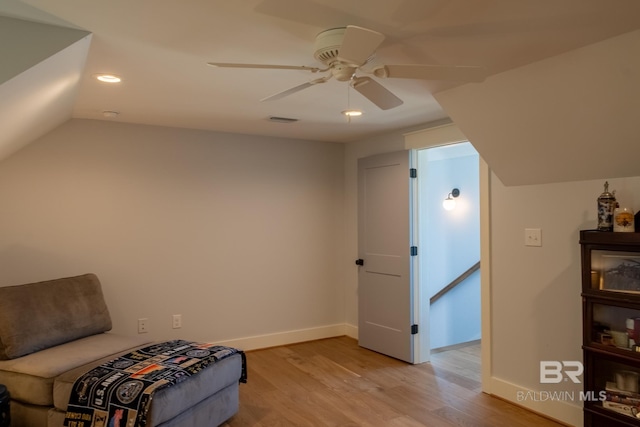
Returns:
(282, 119)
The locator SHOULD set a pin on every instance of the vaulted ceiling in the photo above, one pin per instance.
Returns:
(161, 49)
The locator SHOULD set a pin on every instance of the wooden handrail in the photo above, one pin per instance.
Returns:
(455, 282)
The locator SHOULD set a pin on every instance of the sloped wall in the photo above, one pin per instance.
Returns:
(567, 118)
(24, 44)
(40, 70)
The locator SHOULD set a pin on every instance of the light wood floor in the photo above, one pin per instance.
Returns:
(334, 382)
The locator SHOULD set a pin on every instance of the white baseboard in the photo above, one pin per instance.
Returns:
(566, 411)
(288, 337)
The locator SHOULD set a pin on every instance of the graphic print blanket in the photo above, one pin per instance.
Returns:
(119, 392)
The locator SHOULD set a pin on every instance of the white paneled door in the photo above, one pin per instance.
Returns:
(384, 252)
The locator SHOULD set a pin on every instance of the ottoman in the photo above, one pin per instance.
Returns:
(206, 399)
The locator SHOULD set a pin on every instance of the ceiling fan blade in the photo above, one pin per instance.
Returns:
(358, 44)
(376, 93)
(433, 72)
(264, 66)
(295, 89)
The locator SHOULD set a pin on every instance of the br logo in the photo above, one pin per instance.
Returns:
(554, 372)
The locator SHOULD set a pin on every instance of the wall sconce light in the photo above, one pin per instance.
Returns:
(450, 202)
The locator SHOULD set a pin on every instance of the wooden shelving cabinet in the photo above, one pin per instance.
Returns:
(611, 327)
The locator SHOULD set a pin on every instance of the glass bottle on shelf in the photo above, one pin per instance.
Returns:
(606, 206)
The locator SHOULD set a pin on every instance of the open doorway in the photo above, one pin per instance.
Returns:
(449, 242)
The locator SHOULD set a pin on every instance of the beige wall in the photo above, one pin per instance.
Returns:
(536, 308)
(239, 234)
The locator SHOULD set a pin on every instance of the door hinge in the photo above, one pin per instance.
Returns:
(414, 250)
(413, 173)
(414, 329)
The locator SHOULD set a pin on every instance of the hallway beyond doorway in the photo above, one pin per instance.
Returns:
(449, 242)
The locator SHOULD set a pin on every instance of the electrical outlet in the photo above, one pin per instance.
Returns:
(177, 321)
(532, 237)
(143, 326)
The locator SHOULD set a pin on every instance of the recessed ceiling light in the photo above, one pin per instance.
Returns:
(108, 78)
(352, 113)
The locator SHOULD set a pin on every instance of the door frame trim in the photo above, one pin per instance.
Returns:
(414, 142)
(486, 355)
(421, 306)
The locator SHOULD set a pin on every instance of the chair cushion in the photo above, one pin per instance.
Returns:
(30, 379)
(40, 315)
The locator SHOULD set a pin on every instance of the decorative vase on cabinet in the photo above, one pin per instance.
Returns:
(611, 327)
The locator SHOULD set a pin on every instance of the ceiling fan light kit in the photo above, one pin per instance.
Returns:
(345, 50)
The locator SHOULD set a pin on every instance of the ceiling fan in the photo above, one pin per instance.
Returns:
(344, 51)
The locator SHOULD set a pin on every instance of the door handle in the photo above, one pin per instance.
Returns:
(359, 261)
